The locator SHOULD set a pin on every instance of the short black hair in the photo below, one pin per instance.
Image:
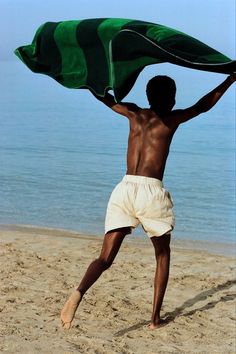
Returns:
(160, 88)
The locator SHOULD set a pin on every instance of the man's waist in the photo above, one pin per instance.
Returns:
(143, 180)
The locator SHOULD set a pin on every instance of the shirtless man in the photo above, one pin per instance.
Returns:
(140, 197)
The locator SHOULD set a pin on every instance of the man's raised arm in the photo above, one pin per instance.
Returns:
(125, 109)
(205, 103)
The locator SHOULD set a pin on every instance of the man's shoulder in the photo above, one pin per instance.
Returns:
(143, 116)
(143, 111)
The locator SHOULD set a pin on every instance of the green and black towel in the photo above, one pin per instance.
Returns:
(109, 53)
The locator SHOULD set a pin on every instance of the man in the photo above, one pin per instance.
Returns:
(140, 197)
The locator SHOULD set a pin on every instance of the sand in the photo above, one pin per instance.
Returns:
(41, 267)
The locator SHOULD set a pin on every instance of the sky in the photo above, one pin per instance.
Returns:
(211, 21)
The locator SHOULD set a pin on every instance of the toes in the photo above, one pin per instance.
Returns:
(65, 325)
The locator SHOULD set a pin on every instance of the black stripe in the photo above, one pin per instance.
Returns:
(94, 52)
(122, 91)
(180, 45)
(133, 46)
(138, 26)
(48, 54)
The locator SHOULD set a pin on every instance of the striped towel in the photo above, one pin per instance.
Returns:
(109, 53)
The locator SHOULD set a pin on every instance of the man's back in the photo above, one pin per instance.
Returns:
(148, 145)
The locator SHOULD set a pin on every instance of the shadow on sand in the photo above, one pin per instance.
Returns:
(170, 316)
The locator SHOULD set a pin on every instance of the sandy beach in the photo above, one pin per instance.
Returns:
(41, 267)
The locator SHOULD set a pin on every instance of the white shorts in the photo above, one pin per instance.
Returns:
(139, 199)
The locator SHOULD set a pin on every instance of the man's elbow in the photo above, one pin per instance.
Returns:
(202, 108)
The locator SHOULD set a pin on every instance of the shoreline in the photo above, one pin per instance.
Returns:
(217, 248)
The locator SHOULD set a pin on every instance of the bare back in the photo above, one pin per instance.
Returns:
(148, 144)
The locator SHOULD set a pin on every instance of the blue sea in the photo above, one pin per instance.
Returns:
(62, 152)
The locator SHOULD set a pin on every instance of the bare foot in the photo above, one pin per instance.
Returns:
(158, 324)
(69, 309)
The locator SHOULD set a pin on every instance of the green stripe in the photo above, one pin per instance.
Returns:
(74, 69)
(106, 32)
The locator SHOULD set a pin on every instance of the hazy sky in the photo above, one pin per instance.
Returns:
(212, 21)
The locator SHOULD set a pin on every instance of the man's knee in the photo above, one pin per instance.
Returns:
(104, 263)
(163, 250)
(161, 245)
(121, 231)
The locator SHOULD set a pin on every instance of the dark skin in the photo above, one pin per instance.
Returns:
(149, 142)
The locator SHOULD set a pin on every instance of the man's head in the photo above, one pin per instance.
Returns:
(161, 92)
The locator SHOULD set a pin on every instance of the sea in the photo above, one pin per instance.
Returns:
(62, 152)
